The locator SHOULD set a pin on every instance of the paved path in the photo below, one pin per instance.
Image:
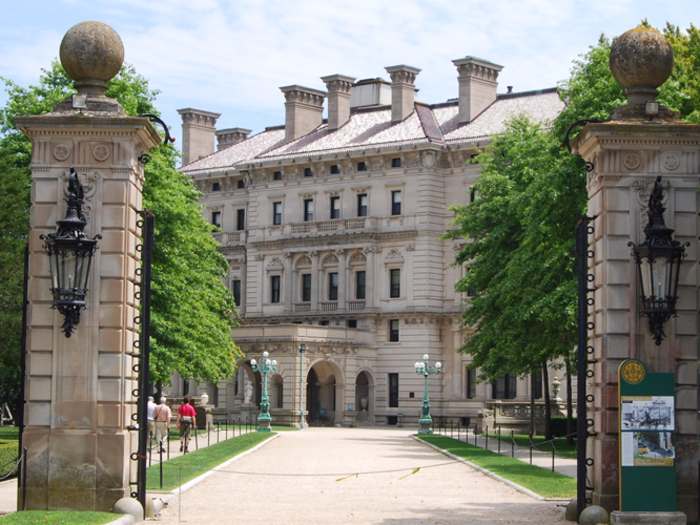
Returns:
(303, 485)
(562, 465)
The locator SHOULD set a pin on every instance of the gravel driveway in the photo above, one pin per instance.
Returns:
(298, 479)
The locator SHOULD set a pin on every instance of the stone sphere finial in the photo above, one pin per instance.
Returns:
(92, 54)
(641, 60)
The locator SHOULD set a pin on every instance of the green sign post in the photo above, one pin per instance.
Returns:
(647, 439)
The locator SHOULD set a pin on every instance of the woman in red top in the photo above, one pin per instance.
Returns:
(186, 419)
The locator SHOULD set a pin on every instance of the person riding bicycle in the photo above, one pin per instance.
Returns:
(186, 420)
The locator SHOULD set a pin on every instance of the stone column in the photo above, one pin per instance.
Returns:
(342, 278)
(79, 389)
(316, 283)
(288, 277)
(641, 141)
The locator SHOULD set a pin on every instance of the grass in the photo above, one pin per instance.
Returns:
(522, 440)
(58, 517)
(541, 481)
(9, 433)
(185, 468)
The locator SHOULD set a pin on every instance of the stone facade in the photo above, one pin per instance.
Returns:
(333, 240)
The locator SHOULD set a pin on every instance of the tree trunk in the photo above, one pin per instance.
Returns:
(533, 427)
(569, 405)
(547, 407)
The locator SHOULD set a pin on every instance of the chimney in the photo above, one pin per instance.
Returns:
(477, 86)
(229, 137)
(403, 91)
(338, 87)
(198, 129)
(304, 110)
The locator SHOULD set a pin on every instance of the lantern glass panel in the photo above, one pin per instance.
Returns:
(53, 261)
(67, 268)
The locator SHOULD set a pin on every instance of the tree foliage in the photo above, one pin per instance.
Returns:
(192, 310)
(520, 246)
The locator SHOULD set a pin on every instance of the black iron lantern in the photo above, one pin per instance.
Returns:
(658, 259)
(70, 253)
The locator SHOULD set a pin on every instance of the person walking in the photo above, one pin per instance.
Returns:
(162, 415)
(151, 423)
(186, 420)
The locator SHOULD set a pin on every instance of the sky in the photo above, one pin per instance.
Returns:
(231, 57)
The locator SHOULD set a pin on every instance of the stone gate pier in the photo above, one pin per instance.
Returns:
(79, 399)
(639, 142)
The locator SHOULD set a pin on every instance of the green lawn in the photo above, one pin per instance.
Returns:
(541, 481)
(9, 433)
(521, 440)
(57, 517)
(185, 468)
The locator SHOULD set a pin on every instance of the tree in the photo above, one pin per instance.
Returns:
(520, 248)
(192, 310)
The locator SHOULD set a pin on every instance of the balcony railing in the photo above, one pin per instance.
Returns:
(302, 307)
(356, 305)
(329, 306)
(230, 238)
(333, 225)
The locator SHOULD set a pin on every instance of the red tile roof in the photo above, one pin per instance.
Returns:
(372, 130)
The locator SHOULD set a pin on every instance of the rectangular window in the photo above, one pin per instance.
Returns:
(393, 390)
(504, 387)
(396, 163)
(361, 166)
(395, 289)
(332, 286)
(241, 184)
(308, 210)
(275, 288)
(360, 290)
(236, 285)
(308, 172)
(396, 202)
(277, 175)
(216, 218)
(306, 287)
(362, 205)
(394, 331)
(472, 194)
(240, 219)
(352, 323)
(471, 383)
(276, 213)
(335, 207)
(470, 291)
(335, 169)
(216, 186)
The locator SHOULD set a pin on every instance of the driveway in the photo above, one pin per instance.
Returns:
(308, 477)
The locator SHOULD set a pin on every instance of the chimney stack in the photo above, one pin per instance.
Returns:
(477, 86)
(338, 87)
(304, 110)
(198, 131)
(403, 91)
(229, 137)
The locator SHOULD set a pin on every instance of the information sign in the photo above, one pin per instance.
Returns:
(647, 439)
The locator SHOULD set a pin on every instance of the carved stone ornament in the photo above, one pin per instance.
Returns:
(61, 152)
(259, 256)
(631, 161)
(274, 264)
(410, 247)
(670, 161)
(394, 255)
(100, 152)
(358, 259)
(303, 262)
(330, 260)
(428, 159)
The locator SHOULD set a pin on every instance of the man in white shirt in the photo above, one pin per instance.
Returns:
(151, 423)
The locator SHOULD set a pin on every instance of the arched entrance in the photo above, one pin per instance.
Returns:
(324, 394)
(364, 398)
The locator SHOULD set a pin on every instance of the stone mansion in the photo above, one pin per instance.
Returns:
(332, 230)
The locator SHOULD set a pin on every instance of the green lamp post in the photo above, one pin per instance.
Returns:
(264, 368)
(425, 421)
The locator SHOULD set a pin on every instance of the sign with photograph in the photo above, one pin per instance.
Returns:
(647, 439)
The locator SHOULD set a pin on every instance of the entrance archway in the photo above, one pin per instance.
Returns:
(324, 394)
